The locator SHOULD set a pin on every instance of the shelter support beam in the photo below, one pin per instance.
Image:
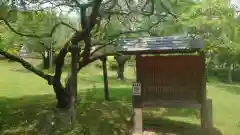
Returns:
(138, 121)
(105, 76)
(206, 117)
(137, 106)
(206, 103)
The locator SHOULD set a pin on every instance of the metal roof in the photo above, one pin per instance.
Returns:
(158, 43)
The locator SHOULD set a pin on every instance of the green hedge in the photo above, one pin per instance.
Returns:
(221, 74)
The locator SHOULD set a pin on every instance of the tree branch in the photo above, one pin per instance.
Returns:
(83, 64)
(97, 49)
(43, 45)
(27, 65)
(78, 36)
(87, 38)
(168, 11)
(38, 36)
(87, 28)
(148, 30)
(130, 10)
(100, 46)
(59, 65)
(151, 10)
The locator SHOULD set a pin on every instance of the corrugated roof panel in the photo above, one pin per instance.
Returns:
(159, 43)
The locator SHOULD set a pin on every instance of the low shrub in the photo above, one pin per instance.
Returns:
(221, 74)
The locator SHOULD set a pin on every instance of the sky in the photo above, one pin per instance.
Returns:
(72, 14)
(236, 2)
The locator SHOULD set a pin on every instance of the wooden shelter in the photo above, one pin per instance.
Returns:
(170, 72)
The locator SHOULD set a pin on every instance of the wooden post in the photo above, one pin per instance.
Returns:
(138, 121)
(209, 116)
(106, 92)
(204, 109)
(137, 104)
(206, 118)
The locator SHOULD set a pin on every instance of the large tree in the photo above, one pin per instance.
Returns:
(102, 23)
(96, 20)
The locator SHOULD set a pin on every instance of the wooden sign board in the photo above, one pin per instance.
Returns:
(170, 78)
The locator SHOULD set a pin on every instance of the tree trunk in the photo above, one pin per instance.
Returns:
(46, 60)
(121, 60)
(120, 73)
(65, 116)
(46, 64)
(66, 99)
(63, 101)
(229, 73)
(233, 68)
(63, 119)
(64, 95)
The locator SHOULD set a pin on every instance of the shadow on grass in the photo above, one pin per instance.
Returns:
(19, 115)
(126, 95)
(32, 115)
(171, 127)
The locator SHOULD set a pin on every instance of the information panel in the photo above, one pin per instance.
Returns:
(171, 78)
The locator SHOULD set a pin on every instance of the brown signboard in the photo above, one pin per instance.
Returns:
(170, 78)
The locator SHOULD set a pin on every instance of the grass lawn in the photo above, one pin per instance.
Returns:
(26, 103)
